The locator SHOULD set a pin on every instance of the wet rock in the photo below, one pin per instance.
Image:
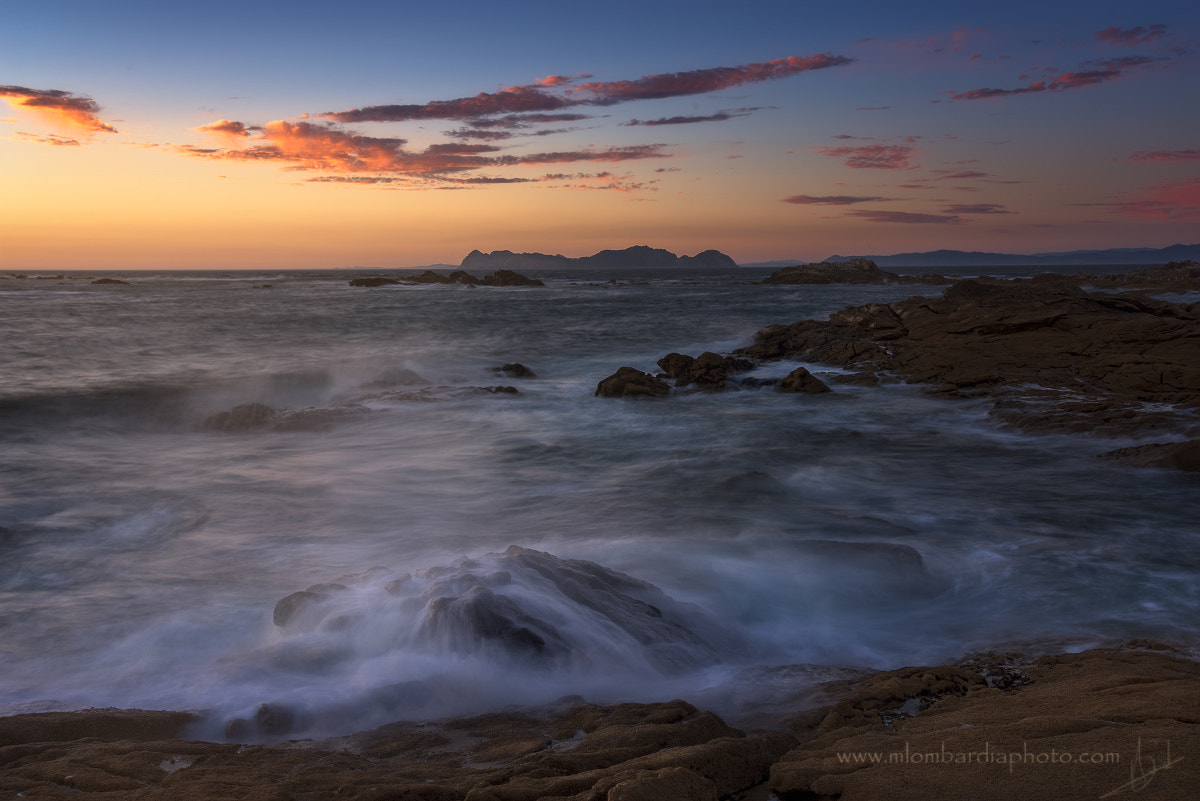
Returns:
(515, 370)
(288, 610)
(1046, 350)
(1167, 455)
(629, 382)
(463, 277)
(800, 380)
(111, 281)
(676, 365)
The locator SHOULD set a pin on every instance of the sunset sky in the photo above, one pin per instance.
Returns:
(305, 134)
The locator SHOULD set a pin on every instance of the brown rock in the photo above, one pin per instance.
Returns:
(629, 382)
(1042, 349)
(374, 281)
(510, 278)
(800, 380)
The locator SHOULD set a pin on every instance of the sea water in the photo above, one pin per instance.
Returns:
(141, 557)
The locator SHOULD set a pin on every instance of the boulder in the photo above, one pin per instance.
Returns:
(708, 370)
(800, 380)
(629, 382)
(676, 365)
(515, 370)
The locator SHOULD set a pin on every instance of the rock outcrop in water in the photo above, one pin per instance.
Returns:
(520, 605)
(1103, 723)
(1049, 356)
(629, 382)
(852, 271)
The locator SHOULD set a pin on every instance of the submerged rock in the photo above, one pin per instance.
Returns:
(246, 417)
(521, 606)
(629, 382)
(115, 281)
(515, 370)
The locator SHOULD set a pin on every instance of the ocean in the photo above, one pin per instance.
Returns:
(142, 556)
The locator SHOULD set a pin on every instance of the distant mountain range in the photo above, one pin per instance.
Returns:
(636, 256)
(963, 258)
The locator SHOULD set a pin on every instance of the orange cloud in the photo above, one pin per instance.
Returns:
(58, 106)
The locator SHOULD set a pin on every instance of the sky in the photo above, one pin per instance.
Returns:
(144, 135)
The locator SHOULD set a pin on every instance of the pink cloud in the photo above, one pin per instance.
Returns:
(1131, 36)
(1166, 155)
(879, 157)
(611, 154)
(1168, 202)
(59, 107)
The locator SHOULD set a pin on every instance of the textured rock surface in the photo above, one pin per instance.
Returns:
(1120, 723)
(629, 382)
(1050, 356)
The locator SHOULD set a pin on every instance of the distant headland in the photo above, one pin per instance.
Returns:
(963, 258)
(636, 256)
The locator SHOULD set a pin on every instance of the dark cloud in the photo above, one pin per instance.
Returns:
(872, 108)
(1131, 36)
(831, 200)
(557, 93)
(878, 157)
(63, 107)
(630, 153)
(907, 217)
(720, 116)
(977, 208)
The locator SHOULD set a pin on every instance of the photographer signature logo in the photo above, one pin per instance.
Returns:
(1143, 770)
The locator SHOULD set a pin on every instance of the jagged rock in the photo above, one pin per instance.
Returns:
(708, 370)
(1051, 356)
(800, 380)
(676, 365)
(629, 382)
(462, 277)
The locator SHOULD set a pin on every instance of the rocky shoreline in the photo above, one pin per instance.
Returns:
(1102, 723)
(1048, 355)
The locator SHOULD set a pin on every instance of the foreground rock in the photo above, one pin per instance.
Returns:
(852, 271)
(1051, 357)
(1109, 723)
(709, 370)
